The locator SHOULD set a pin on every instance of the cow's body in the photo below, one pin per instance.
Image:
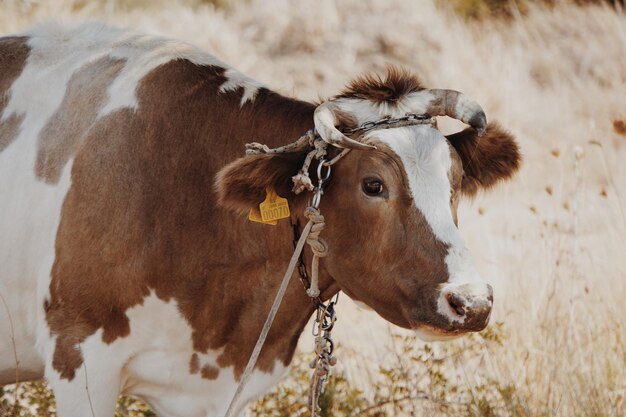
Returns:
(75, 98)
(121, 273)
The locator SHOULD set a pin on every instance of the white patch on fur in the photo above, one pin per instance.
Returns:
(153, 363)
(158, 367)
(426, 158)
(425, 155)
(237, 80)
(29, 218)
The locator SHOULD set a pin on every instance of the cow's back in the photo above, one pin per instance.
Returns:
(56, 87)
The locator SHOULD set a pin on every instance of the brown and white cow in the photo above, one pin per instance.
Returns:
(124, 267)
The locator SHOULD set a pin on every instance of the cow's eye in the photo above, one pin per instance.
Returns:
(373, 187)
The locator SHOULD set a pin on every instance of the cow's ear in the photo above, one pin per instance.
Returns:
(487, 159)
(242, 184)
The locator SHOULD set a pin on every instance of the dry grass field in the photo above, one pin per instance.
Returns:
(552, 241)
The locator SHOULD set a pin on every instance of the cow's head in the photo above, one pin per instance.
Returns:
(390, 208)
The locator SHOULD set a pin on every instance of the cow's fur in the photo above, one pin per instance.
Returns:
(123, 268)
(486, 159)
(396, 84)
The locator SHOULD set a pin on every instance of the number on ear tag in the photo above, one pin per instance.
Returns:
(255, 216)
(274, 207)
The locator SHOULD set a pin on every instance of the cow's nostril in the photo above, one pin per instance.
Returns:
(457, 304)
(467, 307)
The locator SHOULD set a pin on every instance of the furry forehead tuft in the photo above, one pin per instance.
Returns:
(396, 83)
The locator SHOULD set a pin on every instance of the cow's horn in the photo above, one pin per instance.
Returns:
(325, 119)
(458, 106)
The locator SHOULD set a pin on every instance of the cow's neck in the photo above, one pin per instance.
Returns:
(246, 266)
(249, 287)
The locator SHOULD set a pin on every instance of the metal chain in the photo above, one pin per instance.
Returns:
(409, 119)
(324, 347)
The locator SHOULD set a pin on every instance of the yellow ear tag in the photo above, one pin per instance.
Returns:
(274, 207)
(255, 216)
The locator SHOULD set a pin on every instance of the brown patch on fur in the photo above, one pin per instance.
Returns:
(493, 157)
(194, 364)
(210, 372)
(86, 93)
(207, 371)
(115, 325)
(619, 126)
(14, 52)
(396, 84)
(9, 129)
(67, 355)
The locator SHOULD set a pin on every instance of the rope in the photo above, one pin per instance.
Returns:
(317, 150)
(270, 318)
(319, 247)
(310, 140)
(303, 142)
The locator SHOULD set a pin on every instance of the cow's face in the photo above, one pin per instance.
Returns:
(393, 227)
(391, 212)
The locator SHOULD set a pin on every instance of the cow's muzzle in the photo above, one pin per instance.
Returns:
(467, 307)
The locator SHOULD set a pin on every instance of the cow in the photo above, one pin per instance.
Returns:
(128, 262)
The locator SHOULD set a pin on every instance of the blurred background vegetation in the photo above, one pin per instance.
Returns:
(470, 9)
(498, 9)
